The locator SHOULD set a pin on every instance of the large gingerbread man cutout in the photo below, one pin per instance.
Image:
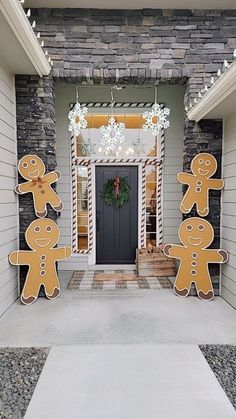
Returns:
(203, 166)
(41, 236)
(32, 169)
(196, 234)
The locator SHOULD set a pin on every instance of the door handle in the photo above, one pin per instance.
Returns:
(98, 221)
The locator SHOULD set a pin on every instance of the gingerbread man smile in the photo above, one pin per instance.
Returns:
(203, 172)
(34, 174)
(43, 242)
(195, 241)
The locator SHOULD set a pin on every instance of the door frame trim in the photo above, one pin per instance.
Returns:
(92, 255)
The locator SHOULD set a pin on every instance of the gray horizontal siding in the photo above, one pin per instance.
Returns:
(8, 200)
(229, 211)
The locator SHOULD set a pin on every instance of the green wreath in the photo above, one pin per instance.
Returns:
(114, 197)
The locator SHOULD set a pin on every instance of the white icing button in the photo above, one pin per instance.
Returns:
(43, 257)
(42, 273)
(194, 255)
(42, 265)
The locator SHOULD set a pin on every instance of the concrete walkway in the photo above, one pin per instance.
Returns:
(123, 355)
(126, 382)
(126, 316)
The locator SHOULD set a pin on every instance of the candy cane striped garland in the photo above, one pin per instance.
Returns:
(160, 189)
(90, 208)
(146, 161)
(143, 215)
(74, 198)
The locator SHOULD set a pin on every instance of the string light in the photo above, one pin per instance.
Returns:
(226, 64)
(186, 108)
(46, 52)
(33, 24)
(42, 44)
(206, 88)
(219, 73)
(212, 80)
(38, 35)
(28, 14)
(195, 100)
(234, 55)
(22, 1)
(199, 95)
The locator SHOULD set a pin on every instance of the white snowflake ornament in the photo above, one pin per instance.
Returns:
(77, 119)
(156, 119)
(112, 134)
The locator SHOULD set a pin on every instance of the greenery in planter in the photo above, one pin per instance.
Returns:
(111, 197)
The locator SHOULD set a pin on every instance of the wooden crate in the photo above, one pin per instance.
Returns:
(153, 262)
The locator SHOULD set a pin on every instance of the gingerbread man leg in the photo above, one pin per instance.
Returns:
(52, 286)
(204, 287)
(30, 290)
(40, 207)
(182, 284)
(203, 207)
(55, 202)
(187, 203)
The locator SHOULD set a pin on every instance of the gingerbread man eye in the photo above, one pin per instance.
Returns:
(33, 162)
(207, 162)
(48, 229)
(189, 227)
(25, 165)
(201, 227)
(201, 161)
(37, 229)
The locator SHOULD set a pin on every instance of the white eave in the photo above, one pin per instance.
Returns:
(20, 50)
(220, 99)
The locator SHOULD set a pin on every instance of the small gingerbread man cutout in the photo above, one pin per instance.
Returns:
(203, 166)
(32, 169)
(41, 236)
(196, 235)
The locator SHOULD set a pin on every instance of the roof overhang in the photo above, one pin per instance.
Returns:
(20, 51)
(133, 4)
(219, 101)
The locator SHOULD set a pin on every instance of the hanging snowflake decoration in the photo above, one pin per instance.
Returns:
(77, 119)
(112, 134)
(156, 119)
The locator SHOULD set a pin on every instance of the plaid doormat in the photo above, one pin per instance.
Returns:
(117, 279)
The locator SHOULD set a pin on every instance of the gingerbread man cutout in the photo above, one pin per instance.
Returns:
(41, 236)
(32, 169)
(203, 166)
(196, 234)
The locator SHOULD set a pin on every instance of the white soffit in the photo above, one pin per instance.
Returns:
(20, 51)
(134, 4)
(219, 101)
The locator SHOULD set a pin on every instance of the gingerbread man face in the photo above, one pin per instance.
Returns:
(31, 167)
(42, 234)
(204, 164)
(196, 232)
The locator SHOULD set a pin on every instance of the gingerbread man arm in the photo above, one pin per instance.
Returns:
(184, 178)
(23, 188)
(217, 256)
(174, 250)
(52, 177)
(62, 253)
(21, 257)
(216, 183)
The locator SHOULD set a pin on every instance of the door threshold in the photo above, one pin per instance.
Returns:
(112, 267)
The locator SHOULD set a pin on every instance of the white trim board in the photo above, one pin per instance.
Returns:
(218, 100)
(20, 26)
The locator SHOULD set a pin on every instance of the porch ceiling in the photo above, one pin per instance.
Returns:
(134, 4)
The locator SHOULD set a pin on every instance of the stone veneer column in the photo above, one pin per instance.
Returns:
(35, 112)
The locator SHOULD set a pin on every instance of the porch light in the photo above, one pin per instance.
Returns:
(77, 116)
(113, 132)
(156, 119)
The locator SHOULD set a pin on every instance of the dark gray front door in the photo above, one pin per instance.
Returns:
(116, 228)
